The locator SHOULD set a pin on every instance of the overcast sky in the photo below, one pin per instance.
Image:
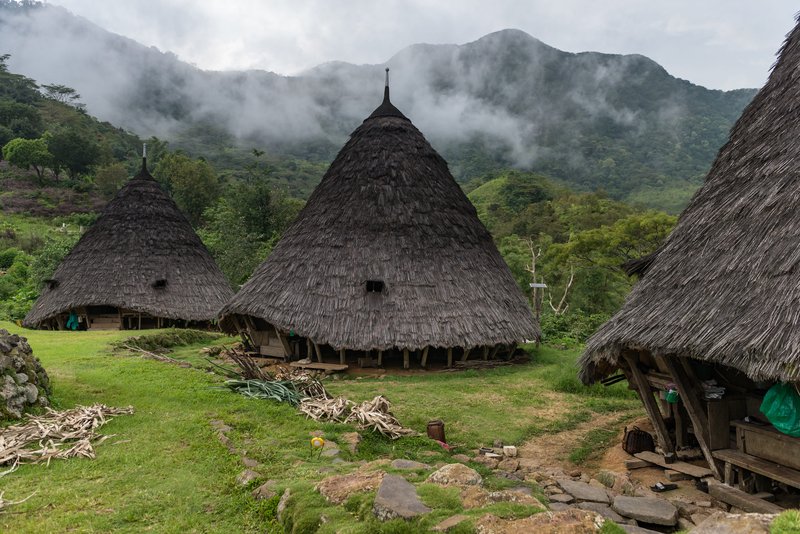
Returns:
(721, 44)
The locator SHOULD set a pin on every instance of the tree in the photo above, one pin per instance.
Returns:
(193, 184)
(61, 93)
(72, 151)
(110, 178)
(28, 153)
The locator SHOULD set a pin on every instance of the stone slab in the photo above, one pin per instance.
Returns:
(646, 509)
(584, 492)
(397, 497)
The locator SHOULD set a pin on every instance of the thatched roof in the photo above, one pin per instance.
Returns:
(388, 210)
(140, 238)
(725, 287)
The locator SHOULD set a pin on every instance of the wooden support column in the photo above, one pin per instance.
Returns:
(425, 357)
(466, 355)
(380, 358)
(495, 350)
(309, 349)
(287, 349)
(317, 350)
(342, 356)
(405, 359)
(649, 401)
(140, 321)
(486, 353)
(694, 407)
(449, 356)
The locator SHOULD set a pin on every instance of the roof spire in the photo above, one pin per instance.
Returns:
(386, 109)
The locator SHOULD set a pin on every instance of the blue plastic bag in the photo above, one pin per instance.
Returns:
(781, 405)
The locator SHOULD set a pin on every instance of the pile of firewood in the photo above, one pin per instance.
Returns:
(60, 435)
(373, 415)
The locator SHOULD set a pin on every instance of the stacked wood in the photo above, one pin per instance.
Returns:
(64, 434)
(373, 415)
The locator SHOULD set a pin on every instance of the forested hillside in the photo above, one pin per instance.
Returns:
(590, 120)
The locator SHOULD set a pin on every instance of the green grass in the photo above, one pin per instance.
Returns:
(164, 470)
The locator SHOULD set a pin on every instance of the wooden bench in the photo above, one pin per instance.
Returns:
(777, 472)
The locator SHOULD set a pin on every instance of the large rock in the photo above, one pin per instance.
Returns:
(646, 509)
(602, 509)
(455, 475)
(724, 523)
(408, 464)
(584, 492)
(23, 381)
(337, 489)
(397, 498)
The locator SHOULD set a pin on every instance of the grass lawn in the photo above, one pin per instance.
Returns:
(164, 470)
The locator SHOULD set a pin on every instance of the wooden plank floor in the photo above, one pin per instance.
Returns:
(740, 499)
(682, 467)
(778, 472)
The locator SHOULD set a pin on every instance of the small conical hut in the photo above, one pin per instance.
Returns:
(387, 258)
(715, 315)
(140, 265)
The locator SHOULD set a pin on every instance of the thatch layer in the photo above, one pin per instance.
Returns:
(140, 238)
(388, 210)
(724, 287)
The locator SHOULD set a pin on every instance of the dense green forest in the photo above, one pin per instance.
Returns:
(60, 166)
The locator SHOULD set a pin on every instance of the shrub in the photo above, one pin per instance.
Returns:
(570, 330)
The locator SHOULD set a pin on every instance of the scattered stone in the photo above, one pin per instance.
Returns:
(250, 463)
(514, 477)
(449, 523)
(685, 509)
(491, 463)
(397, 497)
(497, 444)
(570, 521)
(522, 489)
(509, 451)
(463, 458)
(558, 506)
(352, 439)
(529, 465)
(508, 465)
(562, 498)
(23, 381)
(685, 524)
(724, 523)
(494, 455)
(646, 509)
(575, 473)
(602, 509)
(330, 449)
(247, 476)
(634, 529)
(287, 494)
(409, 464)
(584, 492)
(698, 518)
(455, 475)
(338, 488)
(265, 490)
(474, 497)
(674, 476)
(226, 442)
(516, 497)
(220, 426)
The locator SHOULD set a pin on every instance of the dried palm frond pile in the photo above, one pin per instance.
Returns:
(64, 434)
(372, 415)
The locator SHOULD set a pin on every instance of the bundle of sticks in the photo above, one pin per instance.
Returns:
(373, 415)
(64, 434)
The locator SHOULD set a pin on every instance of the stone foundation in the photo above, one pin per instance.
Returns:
(23, 381)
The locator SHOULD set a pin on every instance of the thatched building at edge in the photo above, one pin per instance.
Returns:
(721, 298)
(140, 265)
(387, 258)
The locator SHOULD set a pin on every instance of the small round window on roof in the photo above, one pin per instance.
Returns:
(375, 286)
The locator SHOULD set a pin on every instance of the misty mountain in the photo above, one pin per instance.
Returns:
(592, 120)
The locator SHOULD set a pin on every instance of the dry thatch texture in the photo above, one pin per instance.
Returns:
(140, 237)
(724, 287)
(388, 210)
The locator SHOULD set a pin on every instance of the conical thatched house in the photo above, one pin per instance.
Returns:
(140, 265)
(387, 255)
(721, 300)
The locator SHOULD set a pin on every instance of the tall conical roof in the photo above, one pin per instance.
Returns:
(725, 288)
(140, 238)
(388, 212)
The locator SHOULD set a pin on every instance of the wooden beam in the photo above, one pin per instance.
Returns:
(285, 342)
(342, 356)
(425, 356)
(317, 350)
(405, 359)
(466, 355)
(649, 401)
(449, 356)
(681, 467)
(694, 408)
(740, 499)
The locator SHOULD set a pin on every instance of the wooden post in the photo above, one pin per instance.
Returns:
(287, 349)
(495, 350)
(405, 359)
(486, 352)
(449, 356)
(309, 349)
(424, 362)
(140, 320)
(342, 356)
(380, 358)
(649, 401)
(694, 408)
(466, 355)
(317, 350)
